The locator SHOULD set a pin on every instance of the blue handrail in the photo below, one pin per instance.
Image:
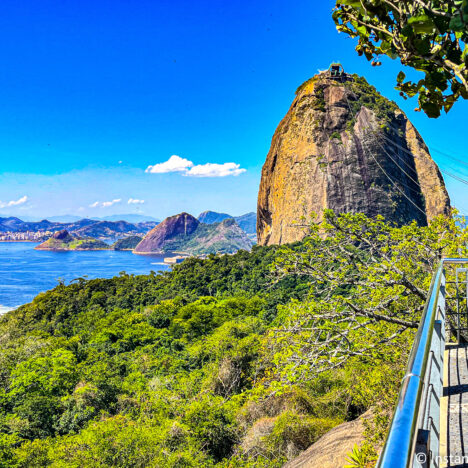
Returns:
(411, 416)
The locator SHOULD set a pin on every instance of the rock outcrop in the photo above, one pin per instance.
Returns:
(185, 234)
(332, 449)
(172, 228)
(63, 236)
(343, 146)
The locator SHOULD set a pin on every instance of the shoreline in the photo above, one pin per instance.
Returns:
(5, 309)
(20, 240)
(75, 250)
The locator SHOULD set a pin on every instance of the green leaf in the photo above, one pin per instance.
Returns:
(423, 47)
(362, 30)
(422, 24)
(400, 77)
(465, 6)
(419, 19)
(351, 3)
(457, 24)
(431, 109)
(449, 102)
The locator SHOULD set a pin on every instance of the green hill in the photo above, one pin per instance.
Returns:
(127, 243)
(62, 240)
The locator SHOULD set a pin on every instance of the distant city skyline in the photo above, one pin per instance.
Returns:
(158, 108)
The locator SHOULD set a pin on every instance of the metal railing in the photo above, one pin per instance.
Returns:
(414, 436)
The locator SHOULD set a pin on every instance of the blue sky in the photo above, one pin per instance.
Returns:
(93, 93)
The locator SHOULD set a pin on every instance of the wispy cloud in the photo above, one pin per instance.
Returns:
(105, 204)
(135, 201)
(187, 168)
(20, 201)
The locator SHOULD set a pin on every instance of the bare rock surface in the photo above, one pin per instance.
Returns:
(182, 224)
(344, 146)
(332, 449)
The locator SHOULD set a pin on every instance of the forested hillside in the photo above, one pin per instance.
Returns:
(223, 361)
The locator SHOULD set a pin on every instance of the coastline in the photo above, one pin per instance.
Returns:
(5, 309)
(168, 254)
(21, 240)
(74, 250)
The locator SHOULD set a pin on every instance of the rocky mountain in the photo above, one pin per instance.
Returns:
(184, 233)
(210, 217)
(344, 146)
(63, 240)
(247, 222)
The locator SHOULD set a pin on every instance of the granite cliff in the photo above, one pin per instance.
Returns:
(344, 146)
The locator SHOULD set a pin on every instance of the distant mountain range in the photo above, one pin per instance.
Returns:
(222, 238)
(129, 217)
(184, 233)
(247, 222)
(181, 233)
(105, 230)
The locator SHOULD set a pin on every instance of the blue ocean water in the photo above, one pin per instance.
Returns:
(25, 272)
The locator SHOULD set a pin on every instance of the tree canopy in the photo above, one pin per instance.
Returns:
(238, 360)
(430, 36)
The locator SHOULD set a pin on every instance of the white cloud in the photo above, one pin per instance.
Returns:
(20, 201)
(173, 164)
(110, 203)
(105, 204)
(135, 201)
(187, 168)
(215, 170)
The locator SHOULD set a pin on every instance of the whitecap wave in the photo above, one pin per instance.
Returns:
(4, 309)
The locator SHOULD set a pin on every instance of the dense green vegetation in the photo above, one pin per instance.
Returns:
(127, 243)
(211, 364)
(367, 95)
(72, 243)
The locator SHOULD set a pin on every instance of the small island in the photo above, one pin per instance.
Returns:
(63, 240)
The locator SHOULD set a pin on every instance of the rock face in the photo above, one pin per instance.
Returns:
(171, 228)
(63, 235)
(345, 147)
(184, 233)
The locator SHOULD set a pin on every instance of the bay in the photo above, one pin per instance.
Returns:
(25, 272)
